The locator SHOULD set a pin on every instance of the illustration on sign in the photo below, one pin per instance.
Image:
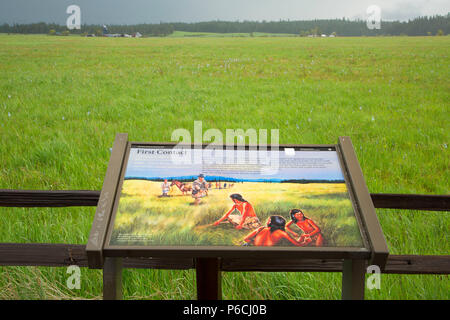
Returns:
(218, 202)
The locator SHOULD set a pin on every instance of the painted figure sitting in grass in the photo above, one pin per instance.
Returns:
(165, 186)
(246, 219)
(272, 234)
(311, 232)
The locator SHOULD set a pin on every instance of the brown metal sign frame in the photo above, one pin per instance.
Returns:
(100, 252)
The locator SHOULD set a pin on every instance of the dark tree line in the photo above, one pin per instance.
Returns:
(160, 29)
(420, 26)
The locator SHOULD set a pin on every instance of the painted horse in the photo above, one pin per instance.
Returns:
(184, 187)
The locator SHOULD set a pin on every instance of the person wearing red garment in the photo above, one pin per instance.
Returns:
(272, 234)
(311, 232)
(246, 217)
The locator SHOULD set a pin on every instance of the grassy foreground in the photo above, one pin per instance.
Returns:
(63, 99)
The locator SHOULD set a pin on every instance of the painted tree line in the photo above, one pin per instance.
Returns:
(421, 26)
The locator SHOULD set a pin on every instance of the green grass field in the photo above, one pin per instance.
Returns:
(63, 99)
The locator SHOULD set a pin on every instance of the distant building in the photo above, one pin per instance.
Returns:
(119, 35)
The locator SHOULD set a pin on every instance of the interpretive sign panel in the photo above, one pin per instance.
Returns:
(220, 201)
(234, 202)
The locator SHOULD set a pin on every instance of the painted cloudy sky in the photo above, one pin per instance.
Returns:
(326, 166)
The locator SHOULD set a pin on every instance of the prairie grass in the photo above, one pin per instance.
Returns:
(63, 99)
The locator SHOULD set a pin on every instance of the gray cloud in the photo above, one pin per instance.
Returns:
(154, 11)
(404, 10)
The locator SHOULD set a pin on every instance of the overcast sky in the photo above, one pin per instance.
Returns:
(154, 11)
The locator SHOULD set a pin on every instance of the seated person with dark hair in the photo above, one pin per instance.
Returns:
(246, 217)
(271, 234)
(312, 235)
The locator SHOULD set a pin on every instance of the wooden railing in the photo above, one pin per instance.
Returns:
(59, 255)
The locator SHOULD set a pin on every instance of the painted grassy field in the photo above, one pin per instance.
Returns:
(175, 221)
(63, 99)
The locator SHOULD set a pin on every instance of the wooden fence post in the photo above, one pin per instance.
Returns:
(112, 279)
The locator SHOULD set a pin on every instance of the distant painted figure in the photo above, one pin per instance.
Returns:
(271, 235)
(165, 186)
(246, 217)
(312, 235)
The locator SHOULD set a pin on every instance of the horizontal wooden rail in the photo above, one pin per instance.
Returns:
(47, 198)
(411, 201)
(13, 254)
(60, 255)
(396, 264)
(69, 198)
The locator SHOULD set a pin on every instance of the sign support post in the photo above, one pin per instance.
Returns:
(112, 279)
(353, 279)
(209, 278)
